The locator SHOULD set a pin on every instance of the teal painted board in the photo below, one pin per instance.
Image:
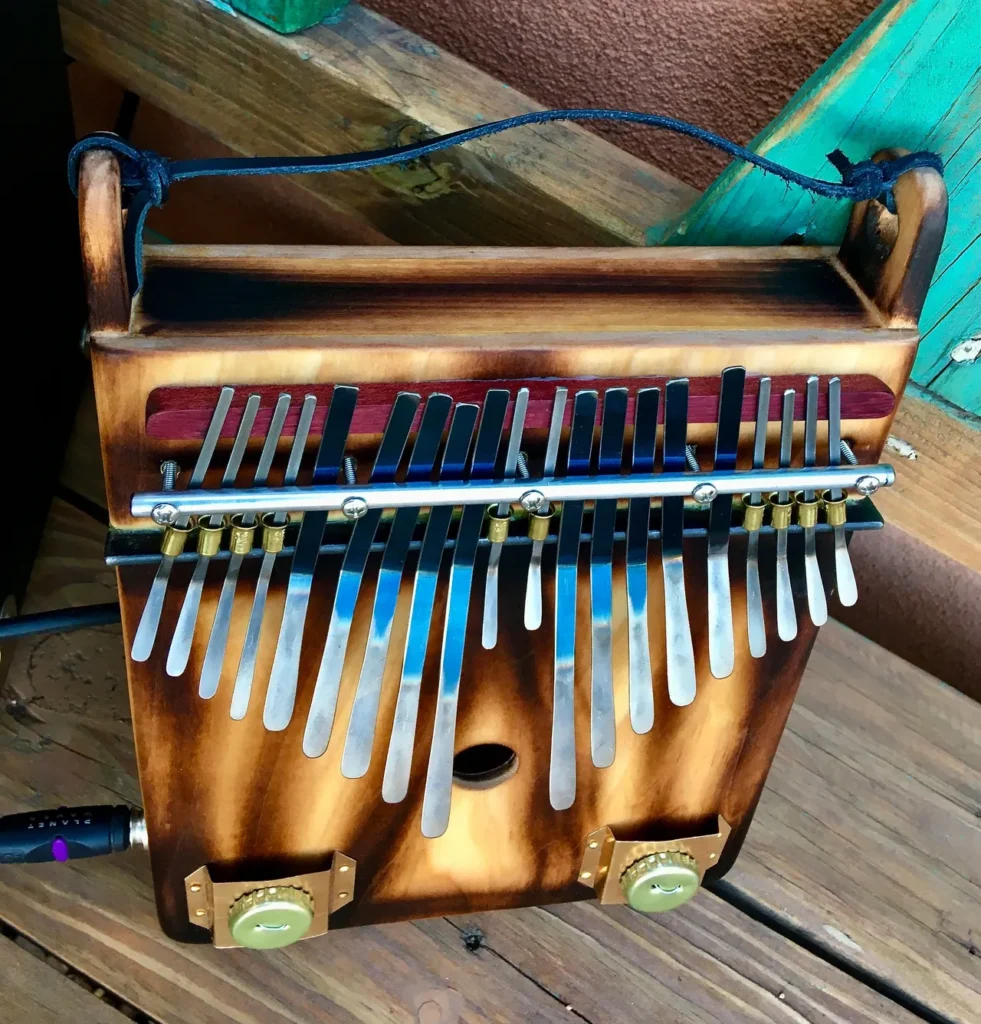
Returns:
(288, 16)
(908, 76)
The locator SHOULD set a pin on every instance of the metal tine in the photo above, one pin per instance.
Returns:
(680, 652)
(146, 632)
(281, 693)
(602, 717)
(215, 653)
(533, 588)
(439, 777)
(180, 644)
(398, 763)
(844, 573)
(638, 533)
(817, 603)
(242, 689)
(755, 623)
(786, 613)
(364, 712)
(722, 647)
(488, 636)
(562, 763)
(323, 706)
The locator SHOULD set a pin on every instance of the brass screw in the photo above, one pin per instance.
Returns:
(586, 874)
(199, 913)
(344, 867)
(593, 845)
(342, 895)
(196, 887)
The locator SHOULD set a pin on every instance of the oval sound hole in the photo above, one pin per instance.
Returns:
(484, 765)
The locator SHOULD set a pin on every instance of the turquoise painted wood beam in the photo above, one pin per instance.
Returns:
(909, 76)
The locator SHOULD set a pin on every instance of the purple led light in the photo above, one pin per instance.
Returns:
(59, 849)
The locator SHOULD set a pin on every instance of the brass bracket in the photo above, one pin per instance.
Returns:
(209, 902)
(606, 857)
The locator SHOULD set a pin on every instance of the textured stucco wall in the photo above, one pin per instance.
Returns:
(729, 65)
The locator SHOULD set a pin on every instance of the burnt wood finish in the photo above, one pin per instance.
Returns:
(247, 802)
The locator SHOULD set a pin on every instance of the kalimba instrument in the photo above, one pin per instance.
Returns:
(456, 579)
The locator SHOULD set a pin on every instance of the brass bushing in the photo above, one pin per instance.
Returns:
(497, 525)
(781, 513)
(807, 511)
(538, 524)
(836, 510)
(752, 514)
(273, 534)
(241, 537)
(209, 538)
(174, 539)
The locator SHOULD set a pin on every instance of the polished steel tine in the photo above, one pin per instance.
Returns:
(562, 763)
(502, 514)
(439, 776)
(721, 641)
(602, 716)
(753, 519)
(398, 763)
(641, 678)
(323, 706)
(533, 588)
(243, 529)
(242, 688)
(209, 538)
(679, 649)
(835, 508)
(786, 613)
(807, 511)
(364, 712)
(146, 632)
(281, 692)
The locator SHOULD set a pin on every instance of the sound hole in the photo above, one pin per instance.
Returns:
(484, 765)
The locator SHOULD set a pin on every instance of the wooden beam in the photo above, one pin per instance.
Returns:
(909, 76)
(364, 83)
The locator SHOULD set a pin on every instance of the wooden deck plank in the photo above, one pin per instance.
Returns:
(36, 993)
(65, 738)
(364, 83)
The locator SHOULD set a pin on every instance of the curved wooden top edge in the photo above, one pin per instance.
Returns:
(101, 222)
(892, 257)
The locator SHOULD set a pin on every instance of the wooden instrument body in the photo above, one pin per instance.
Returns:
(247, 802)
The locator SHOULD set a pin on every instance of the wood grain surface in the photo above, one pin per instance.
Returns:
(846, 776)
(364, 83)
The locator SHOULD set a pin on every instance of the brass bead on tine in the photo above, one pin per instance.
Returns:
(752, 514)
(174, 538)
(241, 537)
(497, 525)
(781, 512)
(273, 534)
(835, 510)
(807, 511)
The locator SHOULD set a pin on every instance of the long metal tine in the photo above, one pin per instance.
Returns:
(602, 717)
(439, 777)
(755, 623)
(398, 763)
(488, 637)
(320, 719)
(817, 603)
(215, 653)
(562, 764)
(364, 712)
(680, 651)
(180, 645)
(242, 689)
(844, 573)
(533, 589)
(722, 648)
(638, 534)
(786, 613)
(146, 632)
(281, 693)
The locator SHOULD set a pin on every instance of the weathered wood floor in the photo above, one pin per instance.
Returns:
(857, 897)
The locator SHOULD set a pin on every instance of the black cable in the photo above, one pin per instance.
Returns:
(62, 620)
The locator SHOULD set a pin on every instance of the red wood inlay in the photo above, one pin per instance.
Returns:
(183, 413)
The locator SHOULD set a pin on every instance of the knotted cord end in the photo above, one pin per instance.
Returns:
(871, 179)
